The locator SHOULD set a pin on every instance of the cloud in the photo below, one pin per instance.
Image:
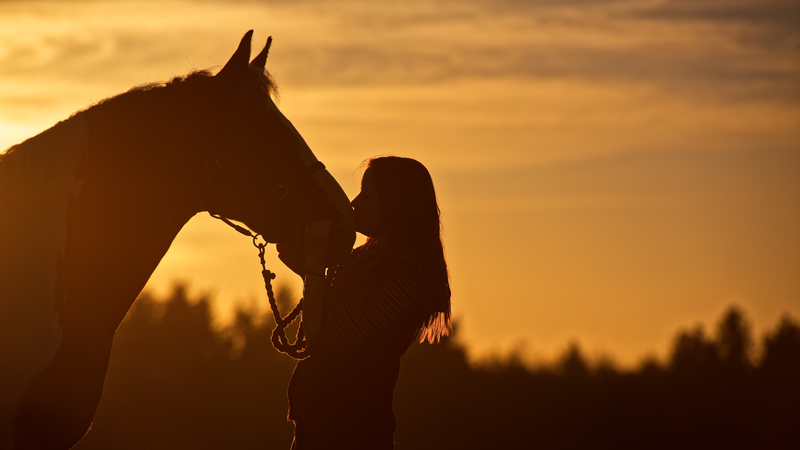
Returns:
(88, 50)
(358, 42)
(609, 41)
(643, 180)
(691, 70)
(781, 12)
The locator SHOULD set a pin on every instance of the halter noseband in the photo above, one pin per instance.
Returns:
(306, 175)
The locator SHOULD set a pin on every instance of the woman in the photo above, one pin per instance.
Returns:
(363, 316)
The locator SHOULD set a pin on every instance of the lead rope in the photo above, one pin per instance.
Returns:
(298, 349)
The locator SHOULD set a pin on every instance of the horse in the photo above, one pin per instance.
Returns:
(90, 206)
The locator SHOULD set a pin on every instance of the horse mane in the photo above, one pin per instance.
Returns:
(43, 155)
(266, 83)
(38, 154)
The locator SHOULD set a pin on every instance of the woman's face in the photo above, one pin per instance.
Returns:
(367, 206)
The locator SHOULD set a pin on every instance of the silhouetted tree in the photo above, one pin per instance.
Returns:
(573, 363)
(779, 385)
(781, 350)
(735, 342)
(694, 354)
(175, 381)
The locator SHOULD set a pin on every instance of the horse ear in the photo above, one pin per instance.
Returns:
(238, 61)
(260, 61)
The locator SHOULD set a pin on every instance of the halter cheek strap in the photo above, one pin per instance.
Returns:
(313, 168)
(308, 171)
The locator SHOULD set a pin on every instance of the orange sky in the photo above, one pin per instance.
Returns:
(609, 171)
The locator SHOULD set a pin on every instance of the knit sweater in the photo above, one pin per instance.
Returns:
(368, 323)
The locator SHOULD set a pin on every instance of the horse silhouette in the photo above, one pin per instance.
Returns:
(90, 206)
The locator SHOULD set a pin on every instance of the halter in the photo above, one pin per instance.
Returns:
(212, 165)
(279, 340)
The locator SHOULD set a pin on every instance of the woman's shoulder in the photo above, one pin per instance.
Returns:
(382, 260)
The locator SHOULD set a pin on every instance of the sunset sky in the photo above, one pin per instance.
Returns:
(609, 171)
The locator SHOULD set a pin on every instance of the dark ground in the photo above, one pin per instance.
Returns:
(176, 383)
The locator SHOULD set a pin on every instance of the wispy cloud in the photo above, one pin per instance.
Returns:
(648, 181)
(768, 12)
(354, 41)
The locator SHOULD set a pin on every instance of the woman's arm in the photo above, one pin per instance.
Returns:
(365, 313)
(316, 249)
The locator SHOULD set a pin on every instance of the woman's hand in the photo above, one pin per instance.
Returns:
(316, 243)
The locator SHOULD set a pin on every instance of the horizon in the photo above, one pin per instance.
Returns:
(258, 316)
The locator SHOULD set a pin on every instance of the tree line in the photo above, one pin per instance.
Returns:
(177, 382)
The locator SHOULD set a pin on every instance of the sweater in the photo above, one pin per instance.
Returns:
(369, 321)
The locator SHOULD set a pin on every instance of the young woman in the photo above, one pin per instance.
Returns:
(360, 318)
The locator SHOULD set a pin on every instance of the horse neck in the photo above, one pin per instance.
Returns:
(132, 203)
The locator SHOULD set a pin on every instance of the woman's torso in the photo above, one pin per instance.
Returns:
(370, 319)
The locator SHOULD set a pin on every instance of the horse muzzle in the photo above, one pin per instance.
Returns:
(342, 234)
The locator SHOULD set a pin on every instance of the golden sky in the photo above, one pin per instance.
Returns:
(609, 171)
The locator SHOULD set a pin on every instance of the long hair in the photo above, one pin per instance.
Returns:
(412, 225)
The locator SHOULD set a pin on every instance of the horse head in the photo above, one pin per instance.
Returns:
(263, 173)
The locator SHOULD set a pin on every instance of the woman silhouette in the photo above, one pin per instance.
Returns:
(360, 318)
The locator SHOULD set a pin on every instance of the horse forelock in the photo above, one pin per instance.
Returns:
(267, 83)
